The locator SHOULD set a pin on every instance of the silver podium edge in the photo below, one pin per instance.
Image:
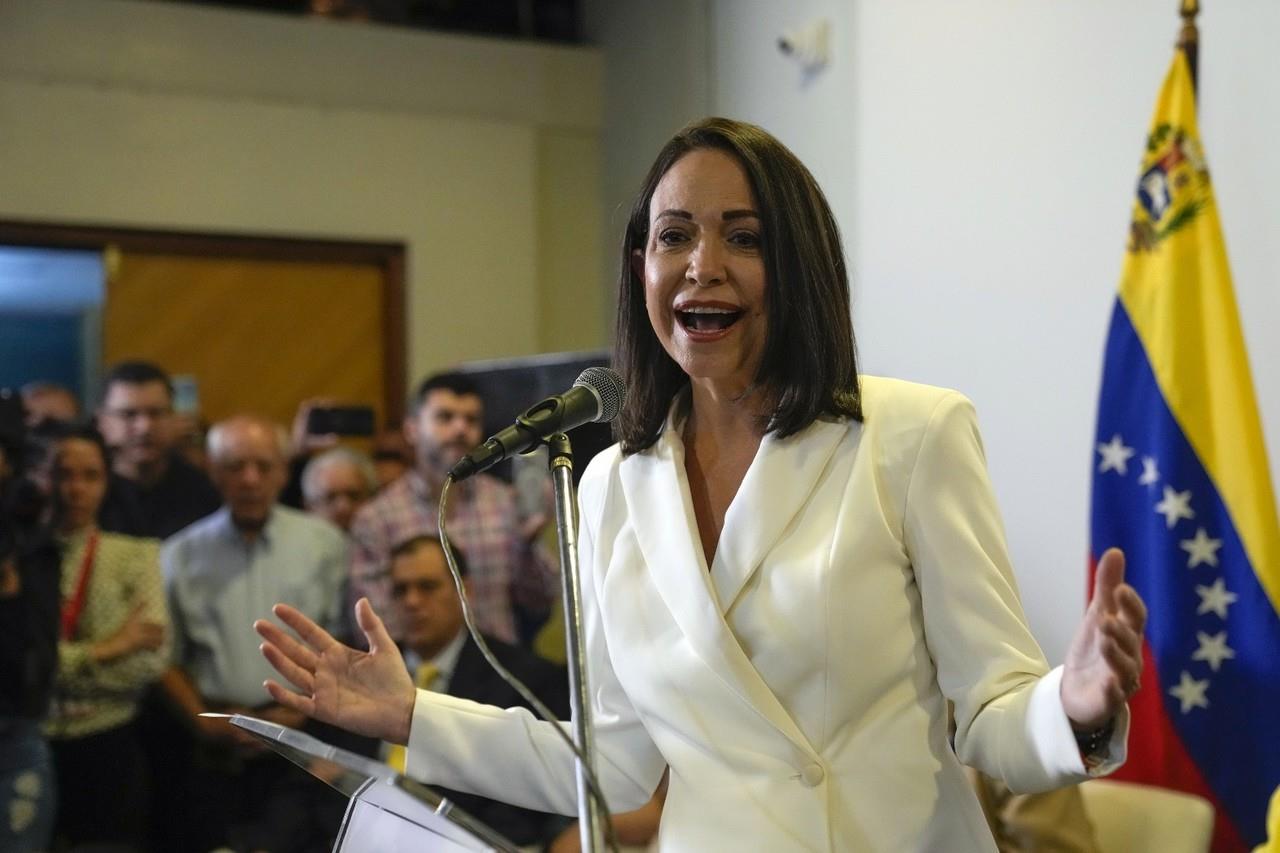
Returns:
(364, 780)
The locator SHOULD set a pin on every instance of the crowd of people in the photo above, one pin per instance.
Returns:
(166, 558)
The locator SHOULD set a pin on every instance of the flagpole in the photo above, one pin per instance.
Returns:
(1189, 38)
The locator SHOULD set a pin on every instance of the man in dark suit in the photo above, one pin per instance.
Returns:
(442, 656)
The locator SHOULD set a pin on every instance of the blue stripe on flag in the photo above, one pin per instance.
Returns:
(1235, 741)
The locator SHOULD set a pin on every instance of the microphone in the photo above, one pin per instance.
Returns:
(596, 397)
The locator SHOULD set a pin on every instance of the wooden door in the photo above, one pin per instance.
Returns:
(259, 335)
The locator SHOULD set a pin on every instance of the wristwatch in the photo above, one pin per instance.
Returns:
(1091, 742)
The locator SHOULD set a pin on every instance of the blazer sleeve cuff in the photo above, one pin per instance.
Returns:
(1051, 730)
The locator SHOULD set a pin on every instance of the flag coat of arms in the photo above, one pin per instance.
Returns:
(1181, 483)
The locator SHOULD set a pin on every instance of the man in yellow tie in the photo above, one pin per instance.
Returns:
(442, 656)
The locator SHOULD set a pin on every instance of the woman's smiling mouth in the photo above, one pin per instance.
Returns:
(707, 320)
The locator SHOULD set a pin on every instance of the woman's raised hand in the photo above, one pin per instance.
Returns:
(369, 693)
(1104, 663)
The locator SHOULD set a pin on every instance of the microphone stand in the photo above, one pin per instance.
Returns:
(560, 461)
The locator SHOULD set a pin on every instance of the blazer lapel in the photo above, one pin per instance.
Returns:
(777, 485)
(660, 510)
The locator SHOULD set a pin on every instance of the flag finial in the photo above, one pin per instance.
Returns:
(1189, 37)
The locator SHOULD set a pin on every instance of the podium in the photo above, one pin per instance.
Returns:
(387, 812)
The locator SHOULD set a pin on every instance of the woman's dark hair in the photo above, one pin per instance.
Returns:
(809, 366)
(83, 431)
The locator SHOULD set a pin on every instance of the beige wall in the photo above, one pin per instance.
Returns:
(569, 235)
(481, 155)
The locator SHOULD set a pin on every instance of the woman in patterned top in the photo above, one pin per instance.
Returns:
(114, 642)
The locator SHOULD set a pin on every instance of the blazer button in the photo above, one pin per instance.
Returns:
(812, 774)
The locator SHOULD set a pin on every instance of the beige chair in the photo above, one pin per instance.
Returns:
(1133, 818)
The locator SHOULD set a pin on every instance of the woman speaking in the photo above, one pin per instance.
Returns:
(788, 568)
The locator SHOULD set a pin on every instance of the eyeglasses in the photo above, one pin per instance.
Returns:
(133, 414)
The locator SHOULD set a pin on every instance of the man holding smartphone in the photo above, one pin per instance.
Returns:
(509, 571)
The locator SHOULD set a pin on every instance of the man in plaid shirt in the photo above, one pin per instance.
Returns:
(508, 569)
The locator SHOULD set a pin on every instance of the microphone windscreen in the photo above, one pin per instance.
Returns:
(608, 387)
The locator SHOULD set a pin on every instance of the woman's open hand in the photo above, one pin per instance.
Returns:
(369, 693)
(1104, 663)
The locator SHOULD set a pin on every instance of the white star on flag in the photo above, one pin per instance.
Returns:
(1201, 549)
(1150, 474)
(1175, 505)
(1215, 599)
(1190, 692)
(1214, 650)
(1115, 456)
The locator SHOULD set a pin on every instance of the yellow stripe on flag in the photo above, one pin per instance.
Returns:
(1176, 288)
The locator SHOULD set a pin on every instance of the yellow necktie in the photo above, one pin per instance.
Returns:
(422, 678)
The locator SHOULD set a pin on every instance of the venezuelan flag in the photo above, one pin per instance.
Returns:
(1181, 483)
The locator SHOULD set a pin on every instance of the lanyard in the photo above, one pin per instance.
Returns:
(72, 609)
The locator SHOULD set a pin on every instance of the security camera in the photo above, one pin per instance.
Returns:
(809, 45)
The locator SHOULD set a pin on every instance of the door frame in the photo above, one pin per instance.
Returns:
(389, 257)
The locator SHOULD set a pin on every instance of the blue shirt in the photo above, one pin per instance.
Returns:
(218, 583)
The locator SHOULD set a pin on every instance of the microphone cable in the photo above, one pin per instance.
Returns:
(516, 684)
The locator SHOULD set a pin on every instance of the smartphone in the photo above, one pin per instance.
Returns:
(529, 476)
(341, 420)
(186, 395)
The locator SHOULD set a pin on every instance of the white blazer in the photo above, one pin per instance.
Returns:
(798, 686)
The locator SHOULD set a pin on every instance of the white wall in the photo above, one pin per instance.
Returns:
(656, 67)
(466, 149)
(981, 158)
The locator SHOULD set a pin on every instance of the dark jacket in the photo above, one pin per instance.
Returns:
(183, 495)
(28, 624)
(474, 679)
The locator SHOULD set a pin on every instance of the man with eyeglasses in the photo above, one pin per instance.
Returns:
(155, 492)
(442, 656)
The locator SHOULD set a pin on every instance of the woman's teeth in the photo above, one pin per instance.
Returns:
(707, 319)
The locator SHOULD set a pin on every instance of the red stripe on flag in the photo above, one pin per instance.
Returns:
(1156, 755)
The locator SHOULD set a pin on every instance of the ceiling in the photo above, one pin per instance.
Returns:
(543, 20)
